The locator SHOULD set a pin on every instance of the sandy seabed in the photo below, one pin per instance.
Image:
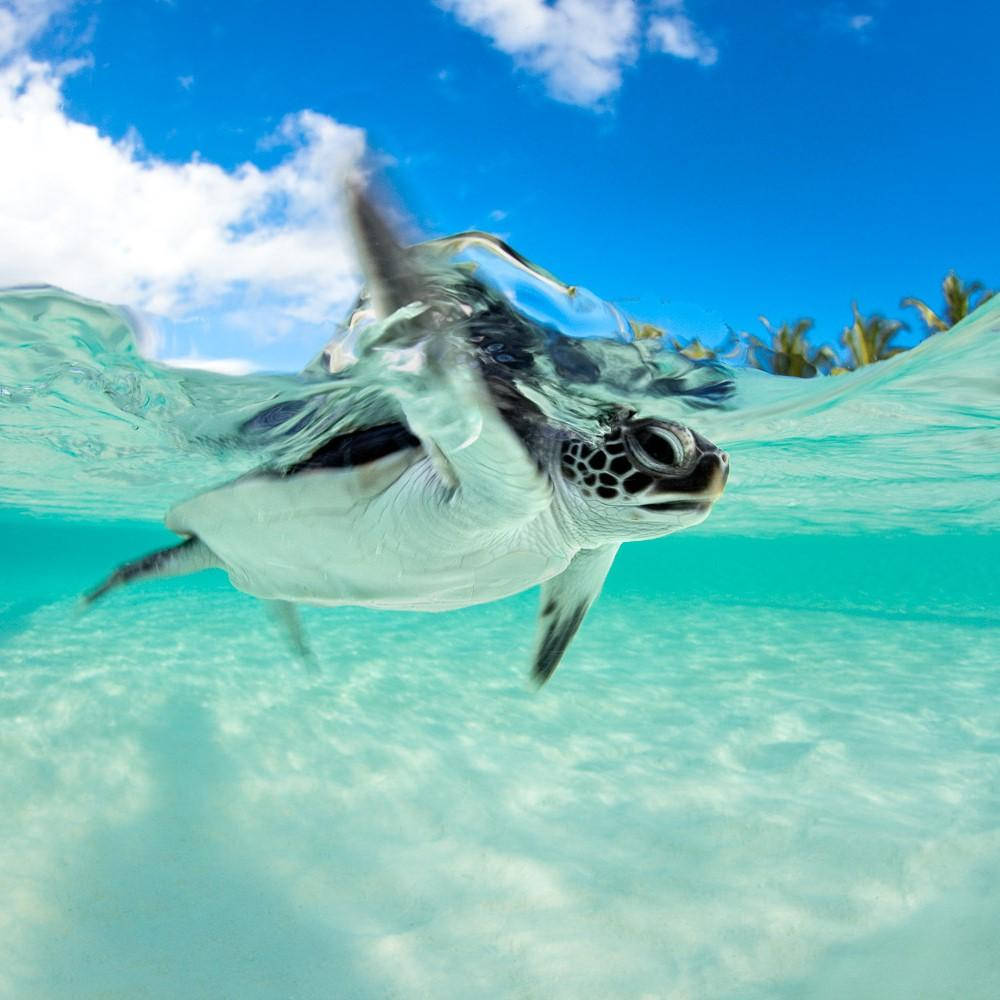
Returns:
(710, 800)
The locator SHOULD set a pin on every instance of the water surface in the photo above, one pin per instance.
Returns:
(768, 767)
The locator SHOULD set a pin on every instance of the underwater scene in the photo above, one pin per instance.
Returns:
(768, 765)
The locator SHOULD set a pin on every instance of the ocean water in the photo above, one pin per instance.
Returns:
(768, 767)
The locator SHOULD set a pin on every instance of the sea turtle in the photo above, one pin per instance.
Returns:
(455, 488)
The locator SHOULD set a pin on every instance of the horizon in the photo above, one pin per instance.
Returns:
(694, 166)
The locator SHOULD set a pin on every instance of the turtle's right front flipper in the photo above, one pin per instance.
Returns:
(565, 601)
(189, 556)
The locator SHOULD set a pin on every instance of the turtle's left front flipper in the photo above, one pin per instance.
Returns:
(565, 601)
(431, 371)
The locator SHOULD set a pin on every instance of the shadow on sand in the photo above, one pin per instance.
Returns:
(167, 907)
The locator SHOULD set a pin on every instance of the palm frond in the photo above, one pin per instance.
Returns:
(645, 331)
(932, 321)
(870, 339)
(789, 352)
(959, 301)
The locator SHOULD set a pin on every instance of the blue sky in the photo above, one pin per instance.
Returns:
(699, 163)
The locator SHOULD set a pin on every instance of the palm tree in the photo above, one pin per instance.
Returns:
(693, 349)
(958, 303)
(646, 331)
(789, 352)
(869, 340)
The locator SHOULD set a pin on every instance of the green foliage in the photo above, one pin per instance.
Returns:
(869, 339)
(789, 352)
(694, 349)
(958, 303)
(646, 331)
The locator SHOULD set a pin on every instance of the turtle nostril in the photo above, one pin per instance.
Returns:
(723, 470)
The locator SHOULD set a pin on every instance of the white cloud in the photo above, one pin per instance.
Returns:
(22, 20)
(838, 16)
(580, 47)
(208, 258)
(104, 219)
(675, 34)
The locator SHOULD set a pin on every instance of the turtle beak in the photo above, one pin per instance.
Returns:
(699, 489)
(711, 471)
(708, 478)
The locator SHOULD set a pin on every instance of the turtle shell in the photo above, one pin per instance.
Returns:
(556, 359)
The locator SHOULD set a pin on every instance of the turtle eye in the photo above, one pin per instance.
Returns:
(656, 448)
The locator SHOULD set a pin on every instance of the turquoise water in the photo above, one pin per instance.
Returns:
(769, 766)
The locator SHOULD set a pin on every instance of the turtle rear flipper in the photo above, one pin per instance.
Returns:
(189, 556)
(286, 617)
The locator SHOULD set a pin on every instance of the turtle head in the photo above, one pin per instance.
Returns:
(645, 478)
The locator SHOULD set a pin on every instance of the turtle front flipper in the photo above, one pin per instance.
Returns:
(428, 366)
(566, 598)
